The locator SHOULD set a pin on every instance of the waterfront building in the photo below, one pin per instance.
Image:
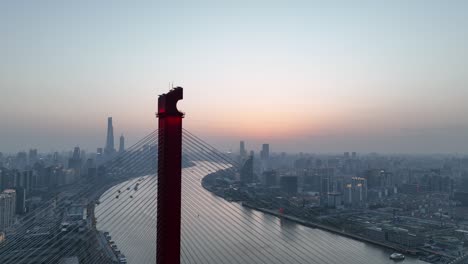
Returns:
(403, 237)
(375, 233)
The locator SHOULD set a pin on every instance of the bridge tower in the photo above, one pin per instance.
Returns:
(169, 177)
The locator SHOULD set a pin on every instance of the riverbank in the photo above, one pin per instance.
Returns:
(329, 229)
(395, 247)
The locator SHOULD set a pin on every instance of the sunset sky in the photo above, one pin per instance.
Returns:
(383, 76)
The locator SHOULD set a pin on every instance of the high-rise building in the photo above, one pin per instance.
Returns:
(109, 149)
(122, 144)
(348, 194)
(242, 151)
(56, 157)
(21, 160)
(20, 200)
(75, 161)
(246, 173)
(76, 153)
(265, 153)
(265, 157)
(32, 156)
(360, 190)
(7, 208)
(355, 193)
(7, 179)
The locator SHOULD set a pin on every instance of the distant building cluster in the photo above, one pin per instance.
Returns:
(28, 178)
(400, 200)
(51, 183)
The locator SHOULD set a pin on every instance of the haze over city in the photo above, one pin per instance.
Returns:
(207, 132)
(302, 76)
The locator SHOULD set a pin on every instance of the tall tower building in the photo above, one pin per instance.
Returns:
(32, 156)
(246, 173)
(265, 154)
(7, 208)
(109, 149)
(122, 144)
(75, 161)
(242, 153)
(264, 157)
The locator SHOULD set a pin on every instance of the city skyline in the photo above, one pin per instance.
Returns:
(299, 132)
(304, 77)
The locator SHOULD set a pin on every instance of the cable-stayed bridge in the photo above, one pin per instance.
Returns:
(121, 218)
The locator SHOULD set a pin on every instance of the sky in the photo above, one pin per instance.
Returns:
(310, 76)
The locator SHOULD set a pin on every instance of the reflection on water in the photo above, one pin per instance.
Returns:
(217, 231)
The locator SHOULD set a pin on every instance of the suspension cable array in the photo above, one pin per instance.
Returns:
(213, 230)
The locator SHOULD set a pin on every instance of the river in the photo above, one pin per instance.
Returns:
(217, 231)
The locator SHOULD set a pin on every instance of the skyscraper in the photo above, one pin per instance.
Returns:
(355, 193)
(7, 208)
(32, 156)
(246, 173)
(76, 153)
(75, 161)
(242, 149)
(264, 157)
(265, 153)
(122, 144)
(109, 149)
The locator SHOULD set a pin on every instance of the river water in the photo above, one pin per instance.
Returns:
(218, 231)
